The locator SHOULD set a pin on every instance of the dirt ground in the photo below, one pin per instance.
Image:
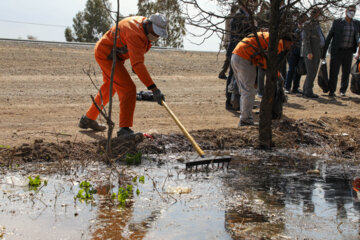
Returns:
(45, 91)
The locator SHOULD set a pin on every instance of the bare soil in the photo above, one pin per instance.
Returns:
(45, 91)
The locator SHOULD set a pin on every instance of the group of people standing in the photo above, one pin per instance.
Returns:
(248, 43)
(308, 44)
(344, 39)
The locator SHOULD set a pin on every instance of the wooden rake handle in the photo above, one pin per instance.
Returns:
(186, 133)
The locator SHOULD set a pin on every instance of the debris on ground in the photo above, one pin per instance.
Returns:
(287, 133)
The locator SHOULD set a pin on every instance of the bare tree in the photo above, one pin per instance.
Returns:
(281, 21)
(107, 115)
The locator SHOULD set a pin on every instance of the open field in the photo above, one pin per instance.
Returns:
(44, 92)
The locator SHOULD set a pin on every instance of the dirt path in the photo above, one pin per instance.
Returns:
(44, 92)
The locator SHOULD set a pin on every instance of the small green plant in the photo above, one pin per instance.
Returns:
(135, 179)
(34, 183)
(5, 146)
(85, 184)
(123, 195)
(129, 188)
(135, 159)
(86, 191)
(142, 179)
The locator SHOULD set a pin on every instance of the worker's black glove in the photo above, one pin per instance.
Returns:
(158, 96)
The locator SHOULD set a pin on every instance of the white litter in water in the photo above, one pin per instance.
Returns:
(178, 190)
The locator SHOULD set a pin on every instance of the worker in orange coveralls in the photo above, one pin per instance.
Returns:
(135, 35)
(245, 58)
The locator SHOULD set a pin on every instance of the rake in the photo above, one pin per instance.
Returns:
(204, 160)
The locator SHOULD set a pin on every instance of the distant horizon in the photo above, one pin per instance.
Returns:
(46, 20)
(93, 43)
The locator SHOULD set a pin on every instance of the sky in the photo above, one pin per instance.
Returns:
(47, 19)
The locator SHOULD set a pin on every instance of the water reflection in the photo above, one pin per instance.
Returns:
(310, 206)
(262, 195)
(114, 222)
(155, 214)
(109, 220)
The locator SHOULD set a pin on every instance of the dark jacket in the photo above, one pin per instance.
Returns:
(240, 27)
(311, 39)
(335, 36)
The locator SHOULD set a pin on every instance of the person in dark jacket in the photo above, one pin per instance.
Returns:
(293, 77)
(240, 26)
(344, 37)
(314, 41)
(225, 43)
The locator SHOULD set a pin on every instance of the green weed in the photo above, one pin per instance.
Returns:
(135, 179)
(34, 183)
(124, 194)
(142, 179)
(135, 159)
(86, 191)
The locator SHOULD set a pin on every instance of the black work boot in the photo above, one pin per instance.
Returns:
(246, 123)
(125, 132)
(86, 123)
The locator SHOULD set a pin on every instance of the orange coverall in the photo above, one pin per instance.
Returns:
(131, 43)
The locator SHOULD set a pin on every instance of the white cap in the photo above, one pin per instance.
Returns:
(159, 24)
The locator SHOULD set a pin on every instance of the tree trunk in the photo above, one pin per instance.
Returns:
(265, 133)
(111, 126)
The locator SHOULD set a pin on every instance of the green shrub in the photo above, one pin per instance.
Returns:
(133, 159)
(86, 191)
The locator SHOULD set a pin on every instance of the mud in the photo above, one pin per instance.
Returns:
(324, 134)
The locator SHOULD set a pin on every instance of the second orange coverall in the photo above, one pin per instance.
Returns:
(249, 49)
(131, 43)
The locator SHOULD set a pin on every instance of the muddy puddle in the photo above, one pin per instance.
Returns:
(275, 195)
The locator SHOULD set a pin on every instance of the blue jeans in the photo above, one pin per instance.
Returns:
(292, 77)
